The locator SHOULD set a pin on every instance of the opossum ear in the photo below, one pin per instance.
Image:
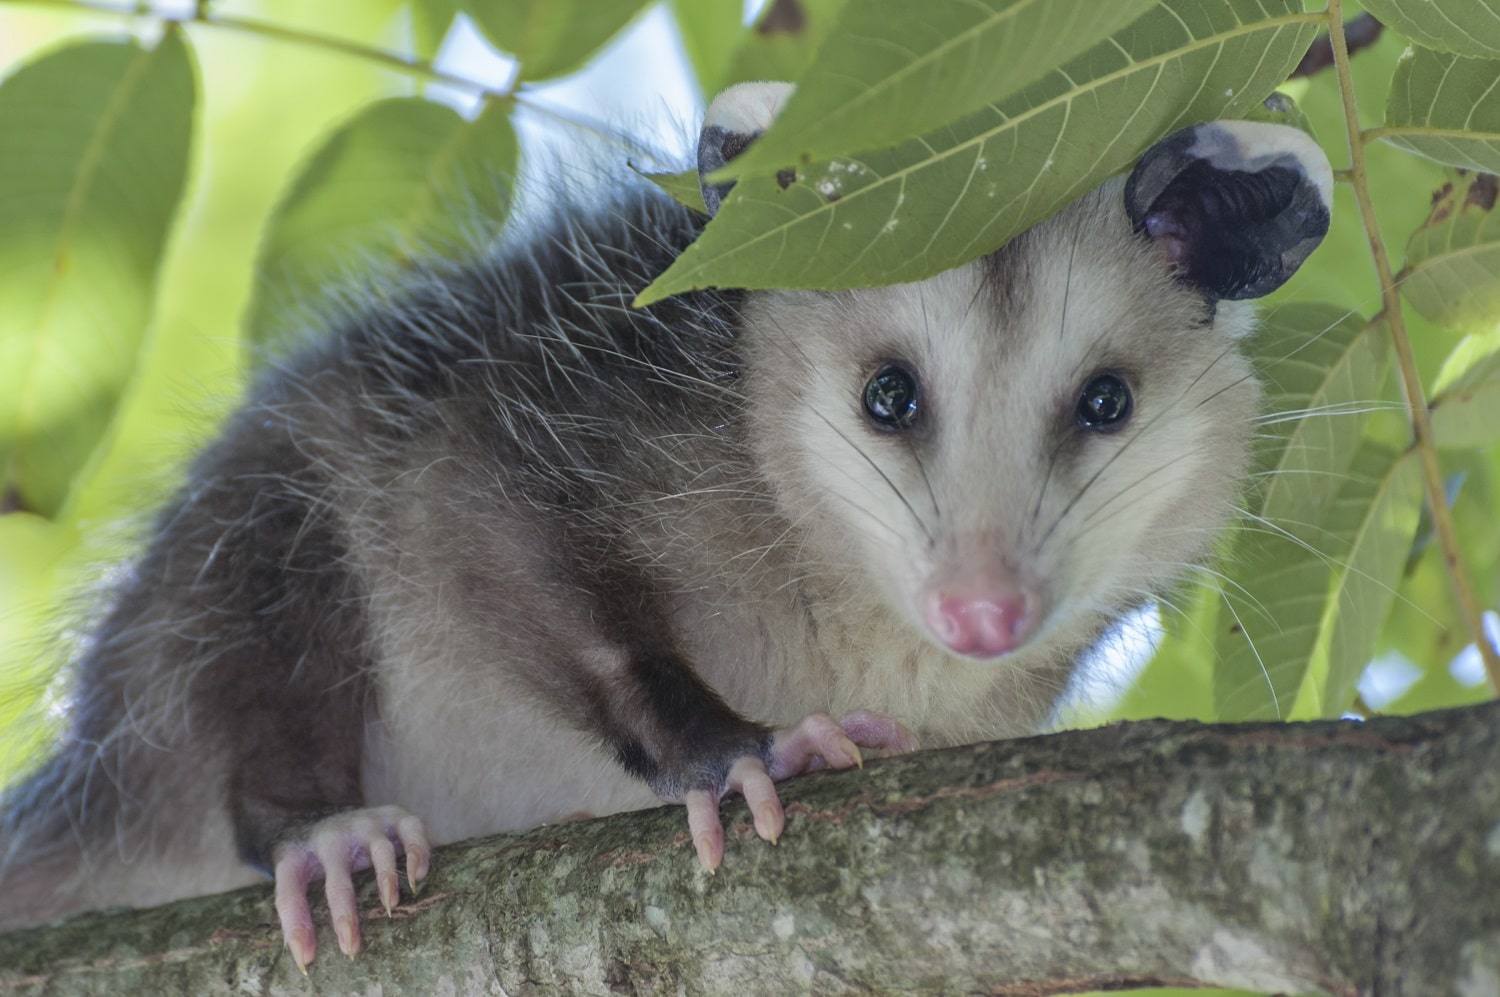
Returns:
(1236, 206)
(733, 121)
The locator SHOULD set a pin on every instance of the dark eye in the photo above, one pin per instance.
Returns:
(891, 398)
(1104, 403)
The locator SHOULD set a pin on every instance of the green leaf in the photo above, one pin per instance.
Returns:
(1322, 369)
(1378, 510)
(1280, 109)
(430, 21)
(1466, 400)
(893, 69)
(1446, 107)
(1177, 683)
(92, 168)
(1437, 689)
(551, 37)
(33, 577)
(1468, 27)
(1452, 274)
(1426, 625)
(783, 41)
(709, 29)
(932, 204)
(403, 179)
(1302, 625)
(683, 187)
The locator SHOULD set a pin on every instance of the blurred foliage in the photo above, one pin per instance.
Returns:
(178, 191)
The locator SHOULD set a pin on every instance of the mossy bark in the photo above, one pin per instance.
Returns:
(1332, 858)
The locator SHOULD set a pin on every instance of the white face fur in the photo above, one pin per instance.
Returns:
(999, 523)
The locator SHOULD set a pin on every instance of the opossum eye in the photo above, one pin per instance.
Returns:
(1104, 403)
(891, 398)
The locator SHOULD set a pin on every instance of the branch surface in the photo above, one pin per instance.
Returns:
(1337, 858)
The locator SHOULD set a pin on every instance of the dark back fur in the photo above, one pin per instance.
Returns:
(526, 361)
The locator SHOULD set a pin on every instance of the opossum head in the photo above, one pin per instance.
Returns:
(1014, 452)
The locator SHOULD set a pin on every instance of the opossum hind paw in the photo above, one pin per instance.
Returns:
(816, 742)
(333, 849)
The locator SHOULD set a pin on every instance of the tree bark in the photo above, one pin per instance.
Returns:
(1330, 858)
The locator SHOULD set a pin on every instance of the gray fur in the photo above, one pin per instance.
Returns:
(447, 558)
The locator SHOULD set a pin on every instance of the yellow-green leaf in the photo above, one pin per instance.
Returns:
(1327, 530)
(31, 578)
(683, 187)
(708, 29)
(1322, 369)
(404, 179)
(1302, 624)
(934, 203)
(893, 69)
(782, 42)
(430, 21)
(1452, 274)
(1466, 401)
(94, 142)
(1469, 27)
(1177, 683)
(551, 37)
(1446, 107)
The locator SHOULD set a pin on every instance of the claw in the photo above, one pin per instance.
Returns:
(817, 742)
(334, 849)
(703, 824)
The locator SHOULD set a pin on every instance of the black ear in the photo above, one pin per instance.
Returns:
(1236, 206)
(733, 121)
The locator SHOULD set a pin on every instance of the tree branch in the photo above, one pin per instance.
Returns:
(1335, 857)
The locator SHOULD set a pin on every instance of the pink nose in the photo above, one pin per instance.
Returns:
(981, 619)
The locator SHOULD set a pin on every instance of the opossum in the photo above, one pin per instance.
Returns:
(503, 549)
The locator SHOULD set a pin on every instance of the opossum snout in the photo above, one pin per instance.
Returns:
(979, 610)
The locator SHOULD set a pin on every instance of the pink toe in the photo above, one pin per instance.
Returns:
(705, 828)
(876, 730)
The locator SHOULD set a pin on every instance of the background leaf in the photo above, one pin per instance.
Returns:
(1322, 368)
(1323, 371)
(1177, 683)
(1377, 509)
(430, 21)
(404, 179)
(709, 29)
(34, 549)
(277, 101)
(934, 203)
(1446, 107)
(551, 37)
(1469, 27)
(1452, 273)
(1467, 398)
(92, 167)
(683, 187)
(900, 69)
(782, 42)
(1304, 623)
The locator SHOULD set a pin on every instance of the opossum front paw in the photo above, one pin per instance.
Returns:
(816, 742)
(334, 849)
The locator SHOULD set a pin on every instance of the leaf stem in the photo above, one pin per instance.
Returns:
(202, 14)
(1411, 381)
(408, 65)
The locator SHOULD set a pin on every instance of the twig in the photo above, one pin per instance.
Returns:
(202, 14)
(1411, 381)
(409, 65)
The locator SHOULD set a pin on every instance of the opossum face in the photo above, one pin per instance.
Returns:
(1011, 453)
(1007, 451)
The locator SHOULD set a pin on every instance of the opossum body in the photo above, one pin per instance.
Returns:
(507, 550)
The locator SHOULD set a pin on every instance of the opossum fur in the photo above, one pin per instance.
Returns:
(504, 549)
